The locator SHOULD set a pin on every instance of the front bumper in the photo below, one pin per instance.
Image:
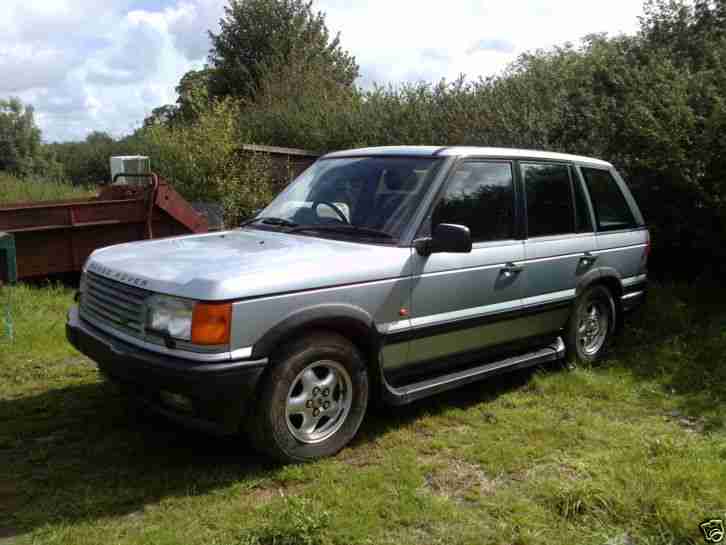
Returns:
(218, 394)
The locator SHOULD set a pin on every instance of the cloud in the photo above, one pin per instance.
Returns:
(89, 66)
(393, 41)
(500, 46)
(105, 65)
(134, 57)
(26, 66)
(185, 22)
(436, 55)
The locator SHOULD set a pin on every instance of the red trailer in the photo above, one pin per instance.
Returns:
(58, 236)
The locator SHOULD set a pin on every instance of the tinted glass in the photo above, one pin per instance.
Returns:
(611, 210)
(481, 196)
(549, 200)
(379, 193)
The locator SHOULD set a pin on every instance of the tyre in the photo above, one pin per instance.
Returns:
(591, 326)
(313, 400)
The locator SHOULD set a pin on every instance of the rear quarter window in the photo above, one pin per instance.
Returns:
(611, 209)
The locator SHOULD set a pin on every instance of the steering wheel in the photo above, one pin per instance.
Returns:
(337, 210)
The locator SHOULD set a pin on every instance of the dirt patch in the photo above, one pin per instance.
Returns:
(264, 494)
(457, 480)
(422, 430)
(361, 456)
(75, 360)
(9, 498)
(561, 471)
(690, 424)
(261, 495)
(9, 503)
(8, 536)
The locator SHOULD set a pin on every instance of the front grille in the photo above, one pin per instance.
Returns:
(114, 304)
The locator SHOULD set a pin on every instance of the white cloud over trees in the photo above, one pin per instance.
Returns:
(89, 65)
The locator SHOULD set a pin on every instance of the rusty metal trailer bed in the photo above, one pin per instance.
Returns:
(57, 236)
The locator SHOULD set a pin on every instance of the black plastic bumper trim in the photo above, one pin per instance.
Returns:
(221, 392)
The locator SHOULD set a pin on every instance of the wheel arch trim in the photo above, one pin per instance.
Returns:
(347, 319)
(600, 275)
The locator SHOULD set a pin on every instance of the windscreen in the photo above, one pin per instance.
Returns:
(379, 193)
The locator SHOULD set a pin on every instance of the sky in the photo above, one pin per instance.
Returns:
(89, 65)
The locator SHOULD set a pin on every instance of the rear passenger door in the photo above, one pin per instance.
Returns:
(621, 240)
(559, 244)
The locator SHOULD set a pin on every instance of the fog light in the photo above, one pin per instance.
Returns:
(177, 401)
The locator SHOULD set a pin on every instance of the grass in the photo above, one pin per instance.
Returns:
(630, 451)
(16, 190)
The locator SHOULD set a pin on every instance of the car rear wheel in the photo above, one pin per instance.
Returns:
(313, 400)
(591, 325)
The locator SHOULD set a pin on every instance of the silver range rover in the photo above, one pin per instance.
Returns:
(384, 274)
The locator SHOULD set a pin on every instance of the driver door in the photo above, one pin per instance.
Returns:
(461, 302)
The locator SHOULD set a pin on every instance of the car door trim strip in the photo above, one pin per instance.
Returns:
(439, 327)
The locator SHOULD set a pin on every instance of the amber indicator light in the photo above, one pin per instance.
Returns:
(211, 323)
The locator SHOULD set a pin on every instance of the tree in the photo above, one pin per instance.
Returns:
(193, 99)
(256, 35)
(19, 137)
(163, 115)
(87, 162)
(193, 91)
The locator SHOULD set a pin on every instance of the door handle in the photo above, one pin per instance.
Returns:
(510, 269)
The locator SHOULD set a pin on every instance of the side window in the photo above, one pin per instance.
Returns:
(611, 209)
(550, 209)
(479, 195)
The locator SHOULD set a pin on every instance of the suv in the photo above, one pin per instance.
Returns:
(382, 273)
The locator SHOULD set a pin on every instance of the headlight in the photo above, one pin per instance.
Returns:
(84, 277)
(170, 316)
(200, 323)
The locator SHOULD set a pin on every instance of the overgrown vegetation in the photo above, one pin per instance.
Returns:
(653, 103)
(257, 35)
(87, 162)
(205, 162)
(21, 152)
(14, 189)
(629, 451)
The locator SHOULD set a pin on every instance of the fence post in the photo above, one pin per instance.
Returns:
(8, 262)
(8, 275)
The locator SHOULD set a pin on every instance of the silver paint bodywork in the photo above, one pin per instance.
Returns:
(272, 277)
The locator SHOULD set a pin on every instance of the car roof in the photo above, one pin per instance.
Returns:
(465, 151)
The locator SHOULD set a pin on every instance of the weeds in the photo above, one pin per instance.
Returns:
(296, 522)
(31, 189)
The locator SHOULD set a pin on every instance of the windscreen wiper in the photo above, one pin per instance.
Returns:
(270, 221)
(344, 228)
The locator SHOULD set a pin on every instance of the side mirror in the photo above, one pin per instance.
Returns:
(447, 238)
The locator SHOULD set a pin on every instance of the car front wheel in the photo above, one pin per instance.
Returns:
(313, 400)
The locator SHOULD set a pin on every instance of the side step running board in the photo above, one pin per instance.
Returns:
(411, 392)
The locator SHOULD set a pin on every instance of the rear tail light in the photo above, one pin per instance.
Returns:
(646, 252)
